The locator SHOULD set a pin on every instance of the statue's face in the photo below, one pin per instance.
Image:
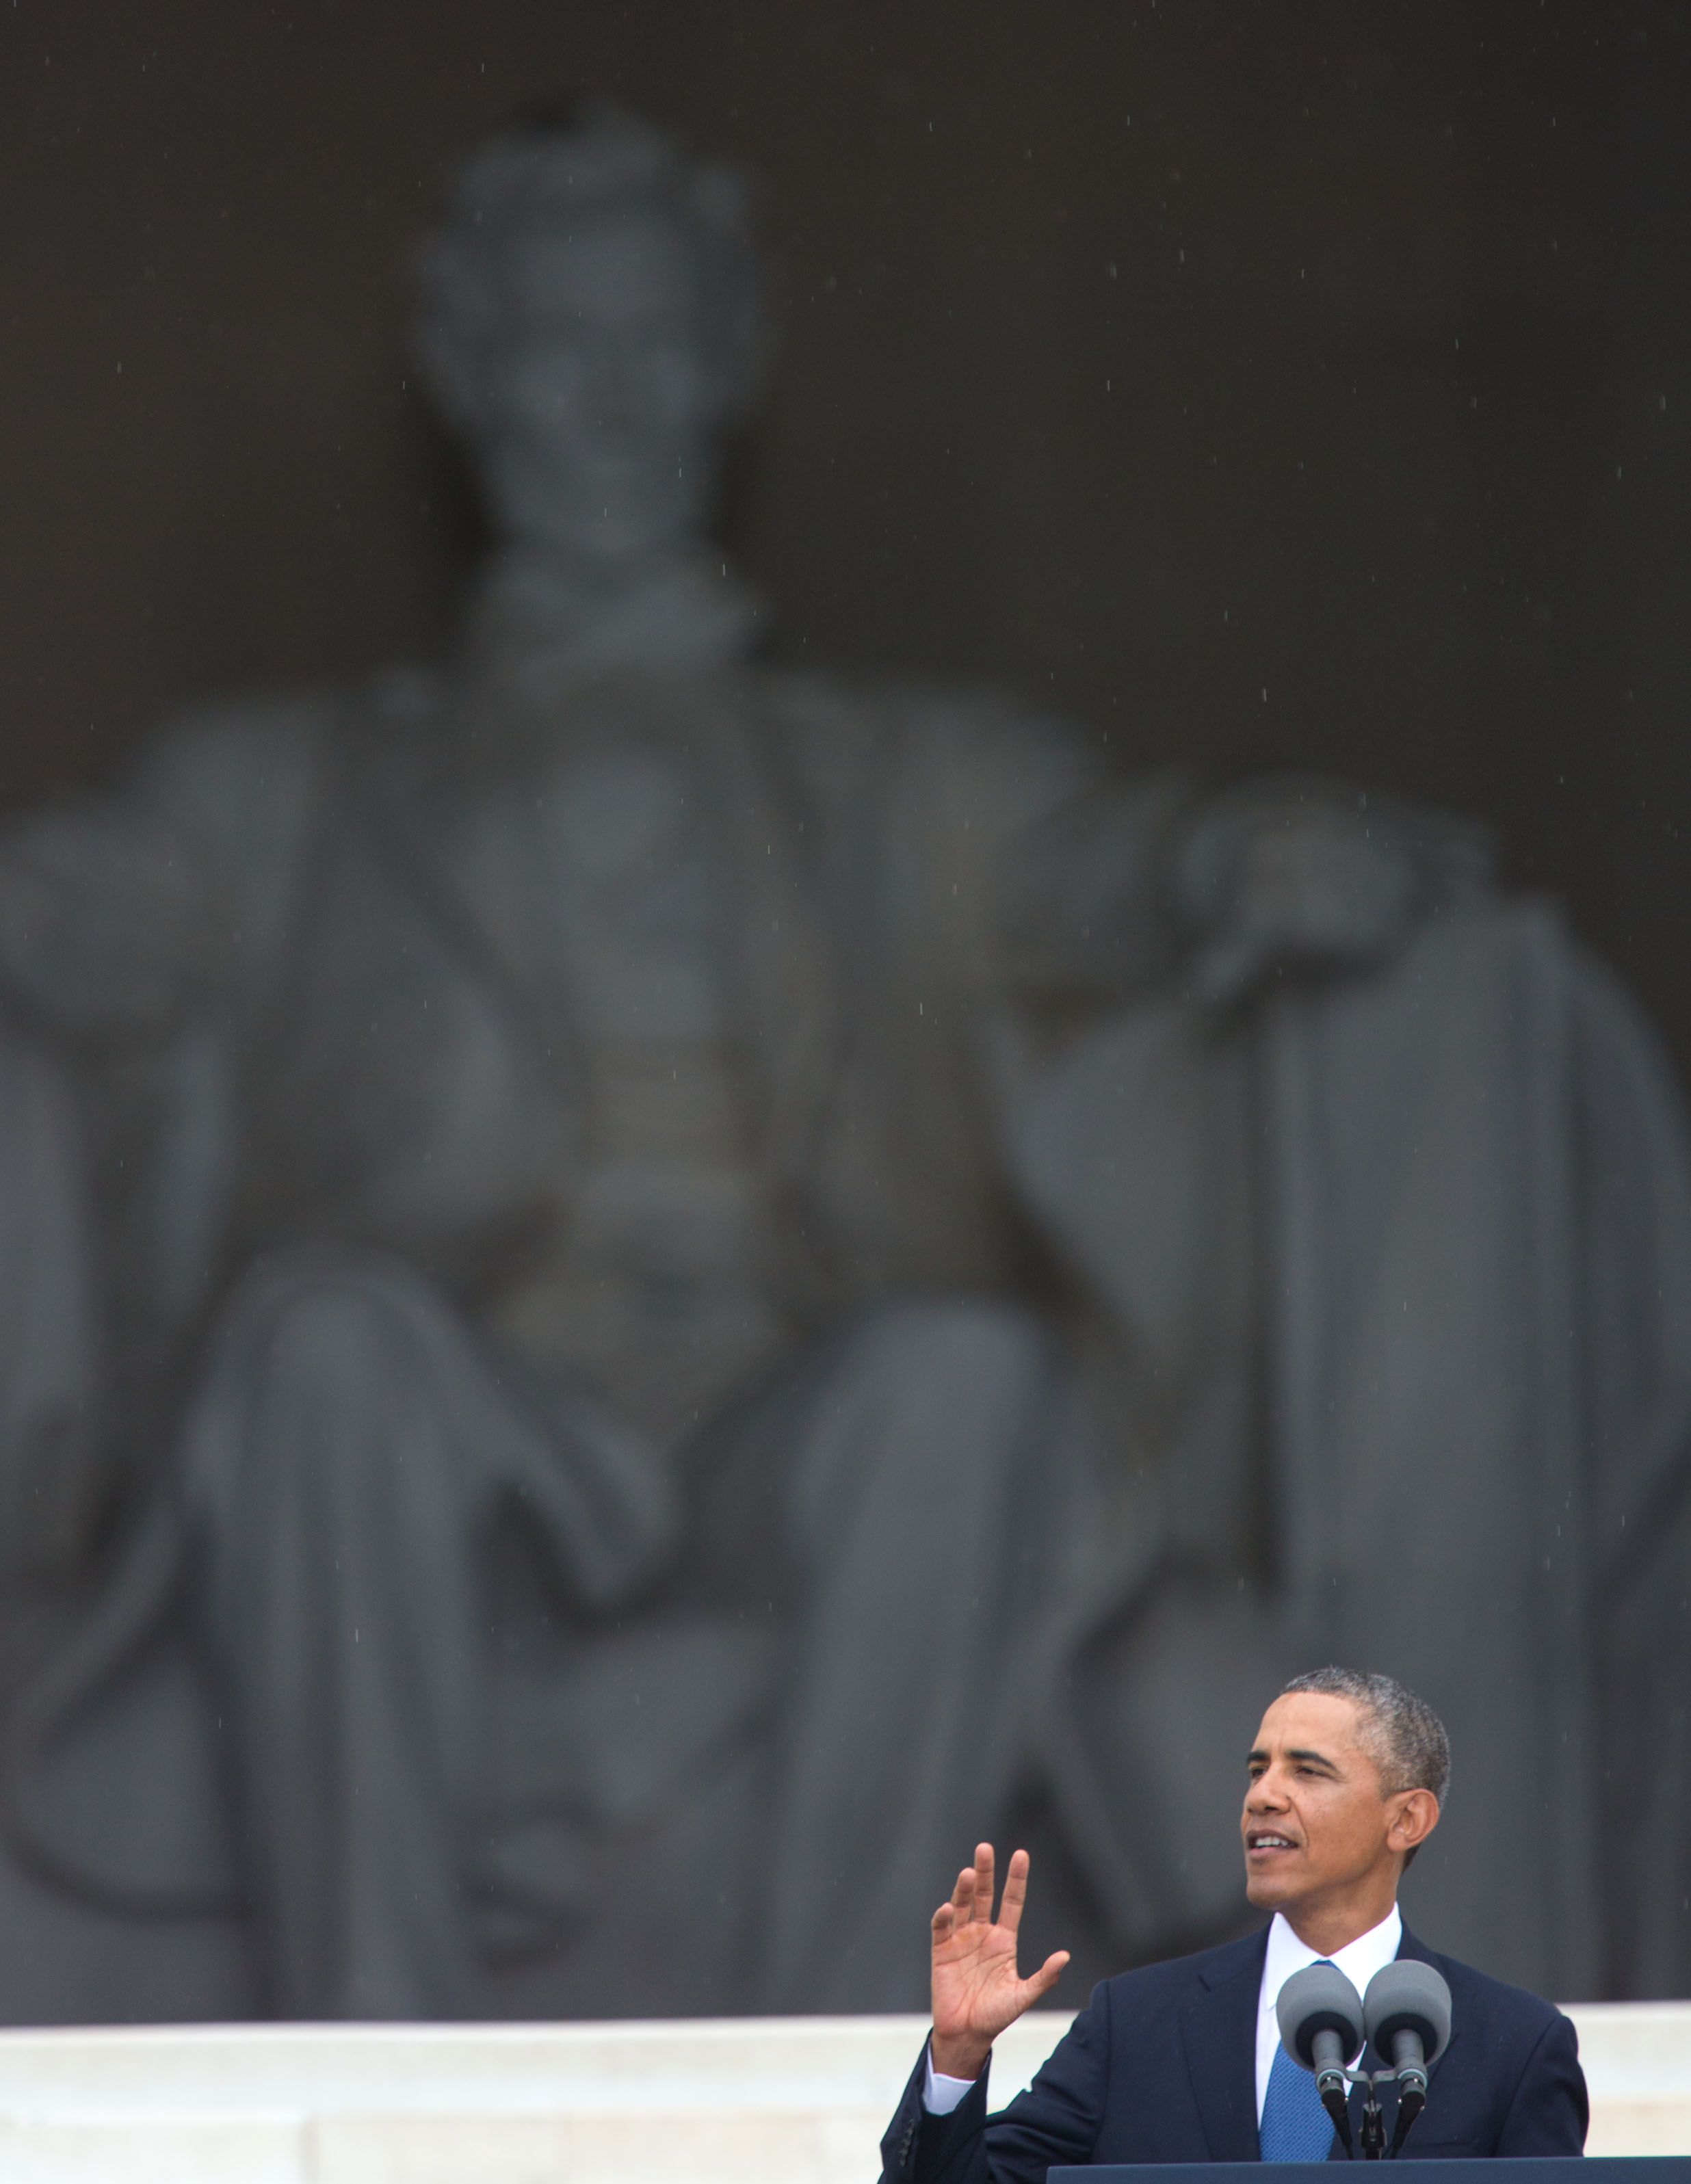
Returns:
(598, 436)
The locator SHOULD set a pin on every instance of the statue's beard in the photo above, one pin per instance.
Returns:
(612, 516)
(542, 622)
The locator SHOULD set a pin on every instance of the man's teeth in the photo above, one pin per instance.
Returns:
(1270, 1842)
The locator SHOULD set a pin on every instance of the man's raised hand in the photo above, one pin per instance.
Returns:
(977, 1991)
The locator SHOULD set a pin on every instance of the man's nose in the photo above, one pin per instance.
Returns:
(1263, 1793)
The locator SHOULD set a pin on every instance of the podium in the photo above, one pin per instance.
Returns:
(1573, 2168)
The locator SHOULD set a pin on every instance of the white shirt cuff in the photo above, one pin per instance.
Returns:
(941, 2094)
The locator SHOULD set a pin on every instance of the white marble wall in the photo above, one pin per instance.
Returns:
(777, 2101)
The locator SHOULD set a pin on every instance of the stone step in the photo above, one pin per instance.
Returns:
(758, 2101)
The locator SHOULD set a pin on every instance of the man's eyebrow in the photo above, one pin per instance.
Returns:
(1319, 1759)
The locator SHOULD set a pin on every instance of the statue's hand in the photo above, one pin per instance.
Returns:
(977, 1991)
(1274, 881)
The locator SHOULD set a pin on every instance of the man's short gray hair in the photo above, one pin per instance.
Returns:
(1404, 1736)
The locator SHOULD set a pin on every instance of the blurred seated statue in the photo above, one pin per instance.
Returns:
(643, 1293)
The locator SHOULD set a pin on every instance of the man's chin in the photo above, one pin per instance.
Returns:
(1268, 1891)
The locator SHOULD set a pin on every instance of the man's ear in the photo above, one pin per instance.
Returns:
(1415, 1816)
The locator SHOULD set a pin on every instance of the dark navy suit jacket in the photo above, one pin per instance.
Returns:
(1162, 2067)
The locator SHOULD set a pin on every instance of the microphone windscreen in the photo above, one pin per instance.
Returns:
(1318, 1999)
(1407, 1994)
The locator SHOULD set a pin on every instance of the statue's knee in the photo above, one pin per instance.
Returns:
(927, 1402)
(324, 1458)
(326, 1320)
(327, 1365)
(987, 1353)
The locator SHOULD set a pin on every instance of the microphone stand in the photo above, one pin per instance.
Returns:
(1412, 2099)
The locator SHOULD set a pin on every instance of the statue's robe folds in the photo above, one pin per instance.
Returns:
(639, 1315)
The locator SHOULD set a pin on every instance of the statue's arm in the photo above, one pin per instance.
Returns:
(1084, 879)
(1128, 881)
(122, 913)
(108, 924)
(1014, 842)
(1302, 877)
(1139, 924)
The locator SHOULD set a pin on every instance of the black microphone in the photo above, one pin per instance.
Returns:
(1321, 2026)
(1407, 2014)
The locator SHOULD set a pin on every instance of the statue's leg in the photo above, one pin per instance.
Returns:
(91, 1707)
(335, 1459)
(936, 1479)
(50, 1481)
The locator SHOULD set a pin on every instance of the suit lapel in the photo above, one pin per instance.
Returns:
(1219, 2034)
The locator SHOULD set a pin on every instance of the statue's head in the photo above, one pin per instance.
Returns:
(591, 320)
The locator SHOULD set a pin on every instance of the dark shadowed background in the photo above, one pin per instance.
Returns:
(1302, 384)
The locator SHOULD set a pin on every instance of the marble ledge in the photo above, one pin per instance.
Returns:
(800, 2100)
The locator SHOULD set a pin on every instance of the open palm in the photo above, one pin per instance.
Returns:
(977, 1989)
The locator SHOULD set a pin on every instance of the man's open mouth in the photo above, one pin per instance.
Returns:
(1266, 1841)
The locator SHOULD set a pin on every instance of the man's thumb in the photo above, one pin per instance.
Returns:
(1049, 1972)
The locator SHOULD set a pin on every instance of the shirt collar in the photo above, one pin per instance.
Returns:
(1358, 1960)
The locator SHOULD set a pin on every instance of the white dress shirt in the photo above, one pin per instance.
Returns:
(941, 2094)
(1358, 1960)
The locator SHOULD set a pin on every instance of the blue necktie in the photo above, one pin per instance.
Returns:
(1295, 2127)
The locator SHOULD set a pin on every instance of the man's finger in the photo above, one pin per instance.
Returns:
(983, 1882)
(1015, 1891)
(1047, 1976)
(962, 1896)
(945, 1919)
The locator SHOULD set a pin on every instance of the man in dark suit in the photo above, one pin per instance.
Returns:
(1181, 2061)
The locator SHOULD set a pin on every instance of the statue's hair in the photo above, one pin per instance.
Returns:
(546, 174)
(1401, 1734)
